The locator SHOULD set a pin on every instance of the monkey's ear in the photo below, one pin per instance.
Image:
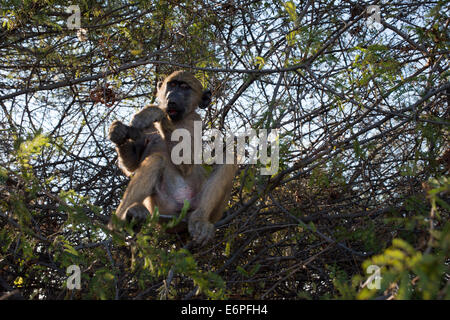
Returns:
(206, 99)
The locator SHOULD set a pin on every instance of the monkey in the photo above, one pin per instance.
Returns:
(144, 148)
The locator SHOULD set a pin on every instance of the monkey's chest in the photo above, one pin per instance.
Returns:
(182, 191)
(178, 190)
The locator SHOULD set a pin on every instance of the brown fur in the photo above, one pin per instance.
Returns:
(144, 149)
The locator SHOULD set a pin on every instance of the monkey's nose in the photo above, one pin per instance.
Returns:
(172, 109)
(171, 105)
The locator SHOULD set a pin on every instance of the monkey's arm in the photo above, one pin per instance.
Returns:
(131, 140)
(119, 133)
(133, 144)
(130, 144)
(130, 155)
(145, 118)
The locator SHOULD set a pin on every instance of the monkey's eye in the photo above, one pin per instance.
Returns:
(172, 84)
(184, 86)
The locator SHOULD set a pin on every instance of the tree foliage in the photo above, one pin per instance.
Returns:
(363, 117)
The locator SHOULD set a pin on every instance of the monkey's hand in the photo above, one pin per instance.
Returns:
(201, 230)
(118, 132)
(146, 117)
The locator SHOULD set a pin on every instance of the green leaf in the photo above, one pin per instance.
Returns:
(291, 10)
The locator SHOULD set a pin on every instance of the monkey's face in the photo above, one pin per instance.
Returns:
(176, 99)
(180, 94)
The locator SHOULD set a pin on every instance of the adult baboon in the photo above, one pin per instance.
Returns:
(144, 150)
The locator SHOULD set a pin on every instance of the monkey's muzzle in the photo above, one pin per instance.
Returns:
(174, 112)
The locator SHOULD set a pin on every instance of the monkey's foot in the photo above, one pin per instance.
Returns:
(118, 132)
(201, 231)
(137, 214)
